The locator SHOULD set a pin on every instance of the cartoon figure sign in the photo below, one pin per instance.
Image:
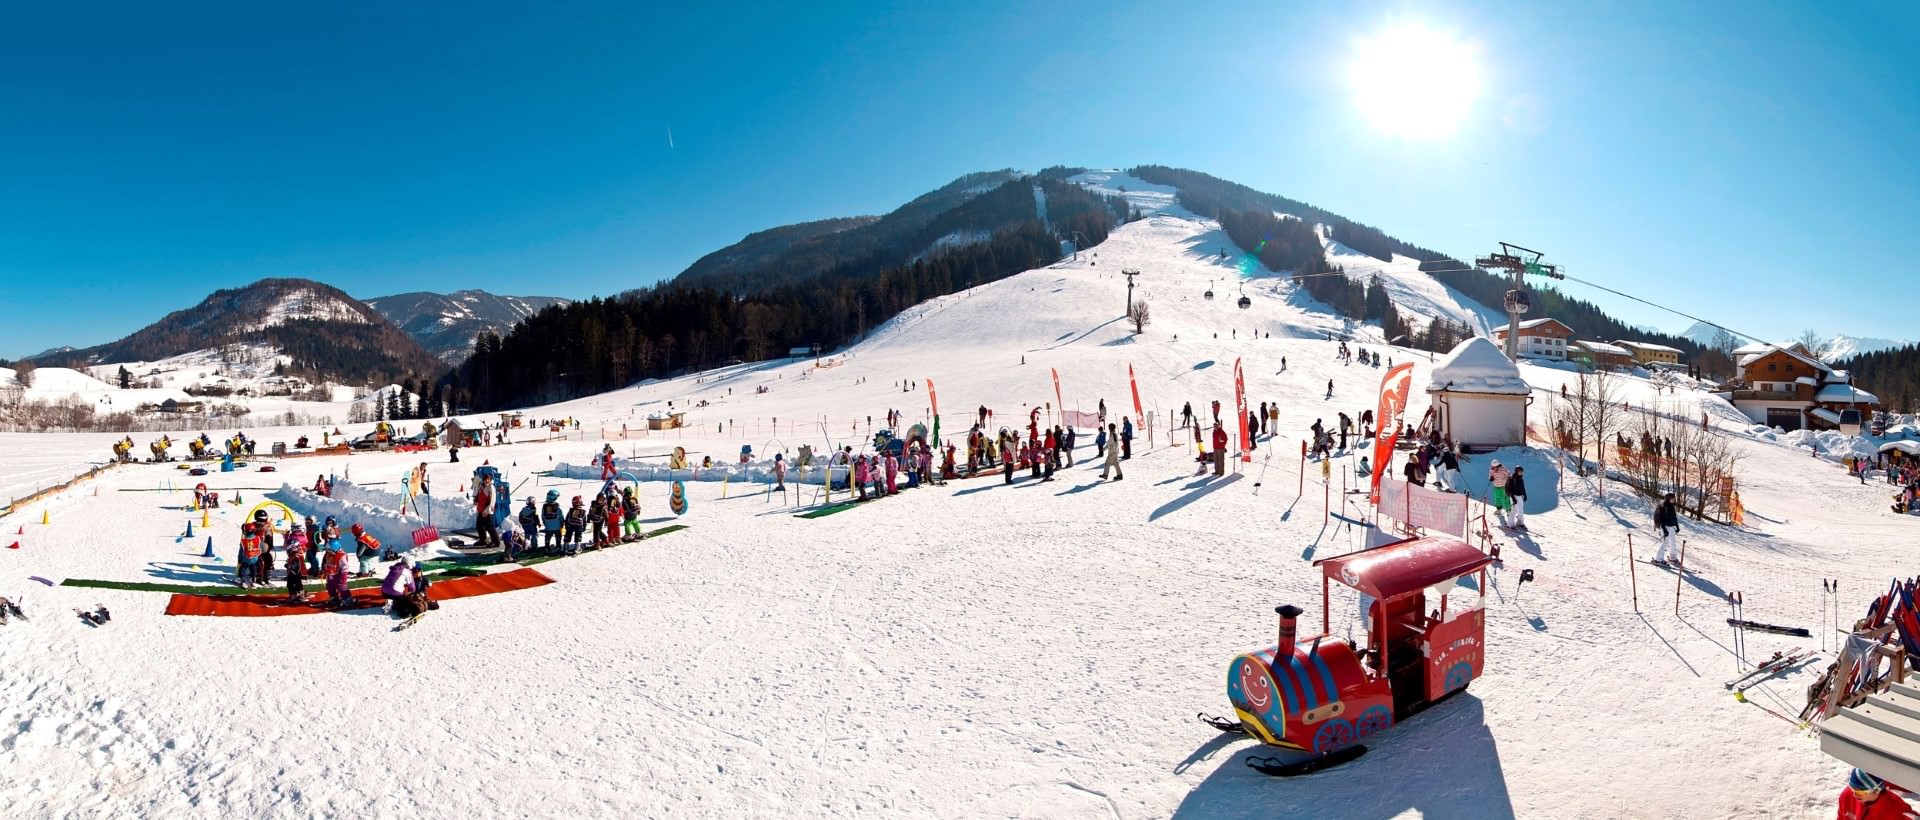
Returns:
(679, 459)
(677, 498)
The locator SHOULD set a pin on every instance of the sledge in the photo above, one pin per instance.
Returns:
(1314, 702)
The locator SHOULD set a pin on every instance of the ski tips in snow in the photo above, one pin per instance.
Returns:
(1278, 767)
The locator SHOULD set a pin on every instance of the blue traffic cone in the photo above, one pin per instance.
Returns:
(209, 552)
(189, 528)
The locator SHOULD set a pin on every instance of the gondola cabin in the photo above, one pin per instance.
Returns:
(1849, 422)
(1320, 695)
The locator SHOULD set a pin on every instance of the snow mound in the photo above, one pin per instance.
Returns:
(393, 530)
(1476, 366)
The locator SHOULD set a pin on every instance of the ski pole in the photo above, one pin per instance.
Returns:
(1633, 574)
(1678, 577)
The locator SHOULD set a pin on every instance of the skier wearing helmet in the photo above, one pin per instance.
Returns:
(1866, 798)
(368, 549)
(551, 518)
(576, 525)
(247, 569)
(399, 590)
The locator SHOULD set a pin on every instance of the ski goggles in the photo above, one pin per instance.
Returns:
(1868, 795)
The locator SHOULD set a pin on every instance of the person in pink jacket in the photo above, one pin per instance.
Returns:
(893, 467)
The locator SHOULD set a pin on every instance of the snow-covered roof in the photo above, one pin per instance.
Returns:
(1752, 353)
(1647, 346)
(1602, 347)
(1845, 394)
(1531, 324)
(1477, 366)
(1825, 415)
(1807, 380)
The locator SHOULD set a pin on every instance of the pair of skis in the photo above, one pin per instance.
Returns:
(98, 617)
(1780, 662)
(1756, 626)
(1283, 767)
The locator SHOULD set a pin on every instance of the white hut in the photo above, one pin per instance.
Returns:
(1478, 397)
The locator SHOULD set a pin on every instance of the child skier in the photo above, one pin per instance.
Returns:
(368, 549)
(597, 516)
(630, 513)
(247, 569)
(1497, 489)
(530, 521)
(576, 525)
(335, 569)
(297, 545)
(615, 517)
(551, 518)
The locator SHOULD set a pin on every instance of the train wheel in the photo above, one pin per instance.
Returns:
(1333, 736)
(1373, 720)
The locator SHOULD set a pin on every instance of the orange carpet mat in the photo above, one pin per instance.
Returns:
(254, 606)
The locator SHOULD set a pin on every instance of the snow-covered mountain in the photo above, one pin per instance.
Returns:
(316, 331)
(1840, 346)
(445, 323)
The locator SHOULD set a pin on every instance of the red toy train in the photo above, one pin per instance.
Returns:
(1316, 701)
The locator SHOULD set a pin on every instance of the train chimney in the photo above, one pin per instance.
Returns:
(1288, 615)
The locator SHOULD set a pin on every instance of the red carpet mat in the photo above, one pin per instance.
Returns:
(268, 605)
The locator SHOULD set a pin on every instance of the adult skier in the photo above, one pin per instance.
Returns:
(1497, 489)
(1666, 518)
(1113, 461)
(1517, 493)
(1126, 437)
(1219, 449)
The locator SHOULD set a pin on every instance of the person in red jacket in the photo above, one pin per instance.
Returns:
(1219, 449)
(1866, 798)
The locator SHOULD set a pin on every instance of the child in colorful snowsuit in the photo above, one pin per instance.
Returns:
(296, 565)
(597, 516)
(368, 549)
(860, 476)
(551, 518)
(576, 525)
(335, 569)
(615, 516)
(530, 521)
(631, 513)
(247, 569)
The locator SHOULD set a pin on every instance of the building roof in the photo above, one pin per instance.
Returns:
(1533, 323)
(1393, 570)
(1602, 347)
(1748, 356)
(1477, 366)
(1647, 346)
(1845, 394)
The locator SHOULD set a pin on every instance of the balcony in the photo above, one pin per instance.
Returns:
(1769, 395)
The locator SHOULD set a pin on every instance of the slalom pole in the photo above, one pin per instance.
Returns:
(1633, 574)
(1678, 577)
(1303, 468)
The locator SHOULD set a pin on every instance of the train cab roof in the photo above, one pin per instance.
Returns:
(1404, 567)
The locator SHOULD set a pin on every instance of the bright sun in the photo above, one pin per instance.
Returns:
(1414, 82)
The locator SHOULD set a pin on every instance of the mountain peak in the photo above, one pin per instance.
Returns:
(446, 323)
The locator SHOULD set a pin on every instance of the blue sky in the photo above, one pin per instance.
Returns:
(1751, 163)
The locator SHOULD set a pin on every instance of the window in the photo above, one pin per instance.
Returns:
(1772, 367)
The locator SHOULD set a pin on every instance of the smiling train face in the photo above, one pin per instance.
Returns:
(1318, 701)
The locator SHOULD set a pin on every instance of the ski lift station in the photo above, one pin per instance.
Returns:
(1479, 399)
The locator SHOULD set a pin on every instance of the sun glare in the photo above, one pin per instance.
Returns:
(1414, 82)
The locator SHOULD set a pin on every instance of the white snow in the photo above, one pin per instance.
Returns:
(958, 651)
(305, 303)
(1477, 366)
(1417, 295)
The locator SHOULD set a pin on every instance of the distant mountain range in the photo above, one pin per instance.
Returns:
(1838, 347)
(324, 334)
(446, 323)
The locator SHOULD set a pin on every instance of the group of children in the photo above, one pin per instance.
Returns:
(311, 549)
(613, 516)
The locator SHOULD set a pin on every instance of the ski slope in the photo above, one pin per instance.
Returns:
(967, 650)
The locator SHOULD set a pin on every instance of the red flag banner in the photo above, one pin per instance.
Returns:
(1394, 388)
(1058, 401)
(1240, 405)
(1139, 416)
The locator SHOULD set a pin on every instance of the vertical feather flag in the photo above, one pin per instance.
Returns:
(1240, 406)
(1059, 402)
(1394, 388)
(1139, 416)
(933, 403)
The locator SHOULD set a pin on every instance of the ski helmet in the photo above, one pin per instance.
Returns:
(359, 530)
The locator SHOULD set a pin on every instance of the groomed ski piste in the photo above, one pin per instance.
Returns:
(969, 649)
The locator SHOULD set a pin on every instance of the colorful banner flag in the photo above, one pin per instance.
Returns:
(1139, 415)
(933, 404)
(1387, 418)
(1057, 400)
(1240, 408)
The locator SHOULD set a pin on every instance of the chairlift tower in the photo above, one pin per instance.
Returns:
(1129, 273)
(1518, 301)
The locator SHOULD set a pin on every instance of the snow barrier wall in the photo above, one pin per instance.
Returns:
(759, 472)
(394, 531)
(452, 512)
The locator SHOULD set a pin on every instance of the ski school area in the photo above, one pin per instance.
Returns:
(751, 640)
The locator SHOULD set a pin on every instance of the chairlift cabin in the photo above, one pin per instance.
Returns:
(1245, 301)
(1850, 422)
(1209, 293)
(1519, 302)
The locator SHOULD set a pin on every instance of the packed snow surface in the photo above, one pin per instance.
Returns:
(967, 650)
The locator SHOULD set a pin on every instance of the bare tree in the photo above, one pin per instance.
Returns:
(1817, 346)
(1139, 316)
(23, 373)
